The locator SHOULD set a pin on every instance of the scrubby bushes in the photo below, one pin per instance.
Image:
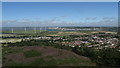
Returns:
(104, 57)
(31, 53)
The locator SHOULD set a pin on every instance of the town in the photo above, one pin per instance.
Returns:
(97, 40)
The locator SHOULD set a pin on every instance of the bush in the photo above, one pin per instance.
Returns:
(32, 53)
(108, 57)
(104, 57)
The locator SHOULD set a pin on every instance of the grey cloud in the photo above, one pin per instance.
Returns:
(109, 18)
(91, 18)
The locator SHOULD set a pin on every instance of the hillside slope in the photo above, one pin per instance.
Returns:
(42, 56)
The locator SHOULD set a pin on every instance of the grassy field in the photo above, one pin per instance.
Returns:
(43, 31)
(55, 62)
(31, 33)
(42, 56)
(49, 33)
(11, 40)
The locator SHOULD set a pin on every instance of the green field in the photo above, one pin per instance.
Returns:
(38, 56)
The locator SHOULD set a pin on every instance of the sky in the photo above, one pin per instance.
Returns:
(20, 14)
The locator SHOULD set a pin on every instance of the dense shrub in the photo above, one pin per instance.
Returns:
(104, 57)
(31, 53)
